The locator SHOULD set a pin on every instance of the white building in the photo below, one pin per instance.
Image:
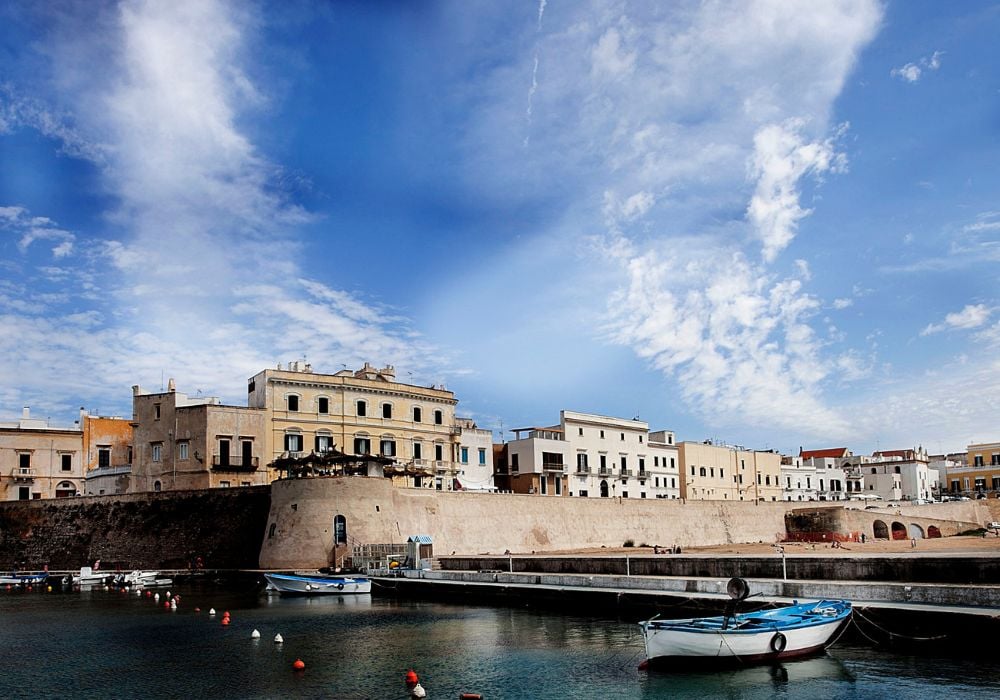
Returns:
(475, 457)
(831, 479)
(798, 480)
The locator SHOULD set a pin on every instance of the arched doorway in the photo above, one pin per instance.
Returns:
(915, 531)
(880, 530)
(604, 489)
(157, 486)
(65, 489)
(933, 532)
(899, 531)
(339, 530)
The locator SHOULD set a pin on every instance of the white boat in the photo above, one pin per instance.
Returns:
(319, 584)
(89, 577)
(761, 636)
(142, 579)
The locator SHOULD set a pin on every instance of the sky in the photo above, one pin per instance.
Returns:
(771, 224)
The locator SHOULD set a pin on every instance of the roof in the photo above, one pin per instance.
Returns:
(831, 452)
(420, 539)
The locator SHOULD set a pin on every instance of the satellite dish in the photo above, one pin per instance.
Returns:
(737, 588)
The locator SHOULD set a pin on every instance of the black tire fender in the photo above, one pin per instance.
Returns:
(778, 643)
(340, 586)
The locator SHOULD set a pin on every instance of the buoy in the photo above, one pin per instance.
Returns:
(166, 604)
(197, 609)
(278, 639)
(149, 594)
(255, 635)
(168, 594)
(225, 620)
(211, 611)
(470, 696)
(299, 664)
(411, 678)
(225, 614)
(48, 588)
(156, 597)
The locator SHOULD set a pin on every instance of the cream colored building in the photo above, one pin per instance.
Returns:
(979, 475)
(363, 412)
(38, 460)
(712, 472)
(183, 442)
(107, 454)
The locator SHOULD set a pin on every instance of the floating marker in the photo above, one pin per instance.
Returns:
(197, 609)
(255, 635)
(49, 589)
(299, 664)
(157, 597)
(278, 639)
(166, 604)
(225, 621)
(211, 611)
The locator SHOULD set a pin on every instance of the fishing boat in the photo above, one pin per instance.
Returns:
(318, 584)
(141, 579)
(89, 577)
(751, 637)
(23, 578)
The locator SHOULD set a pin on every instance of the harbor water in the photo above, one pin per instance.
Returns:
(106, 644)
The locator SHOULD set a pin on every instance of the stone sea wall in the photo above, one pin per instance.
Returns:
(153, 530)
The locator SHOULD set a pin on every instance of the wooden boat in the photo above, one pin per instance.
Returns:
(753, 637)
(319, 584)
(23, 578)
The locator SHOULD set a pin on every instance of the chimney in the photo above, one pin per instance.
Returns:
(171, 385)
(25, 413)
(136, 390)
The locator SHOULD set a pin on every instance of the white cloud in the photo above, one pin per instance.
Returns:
(610, 59)
(842, 303)
(911, 72)
(972, 316)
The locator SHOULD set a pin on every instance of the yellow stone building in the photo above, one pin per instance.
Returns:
(979, 475)
(712, 472)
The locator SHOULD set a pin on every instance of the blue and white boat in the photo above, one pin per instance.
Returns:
(752, 637)
(22, 578)
(318, 584)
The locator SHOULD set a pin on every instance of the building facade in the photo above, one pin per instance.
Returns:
(38, 460)
(107, 454)
(726, 473)
(366, 412)
(980, 474)
(183, 442)
(798, 479)
(833, 480)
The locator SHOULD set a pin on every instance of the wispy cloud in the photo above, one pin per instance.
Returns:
(972, 316)
(911, 72)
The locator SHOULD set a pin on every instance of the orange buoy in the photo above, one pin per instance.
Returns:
(411, 678)
(470, 696)
(299, 664)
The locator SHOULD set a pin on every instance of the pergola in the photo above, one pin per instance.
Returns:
(337, 463)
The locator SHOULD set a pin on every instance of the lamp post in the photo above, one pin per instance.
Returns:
(784, 568)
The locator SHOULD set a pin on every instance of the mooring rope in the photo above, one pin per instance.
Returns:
(893, 634)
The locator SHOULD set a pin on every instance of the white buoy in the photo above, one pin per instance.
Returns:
(211, 611)
(157, 597)
(168, 595)
(278, 639)
(173, 604)
(255, 635)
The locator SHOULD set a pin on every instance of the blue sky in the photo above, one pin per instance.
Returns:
(770, 223)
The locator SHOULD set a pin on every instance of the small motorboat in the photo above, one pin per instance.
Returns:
(89, 577)
(23, 578)
(752, 637)
(318, 584)
(141, 579)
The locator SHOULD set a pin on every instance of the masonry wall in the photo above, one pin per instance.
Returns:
(154, 530)
(302, 513)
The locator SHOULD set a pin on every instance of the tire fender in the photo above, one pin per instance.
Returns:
(778, 642)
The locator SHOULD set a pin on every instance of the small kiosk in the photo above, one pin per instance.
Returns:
(419, 548)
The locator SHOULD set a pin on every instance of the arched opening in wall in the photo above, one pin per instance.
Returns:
(65, 489)
(157, 486)
(880, 530)
(339, 530)
(916, 532)
(604, 489)
(899, 531)
(933, 532)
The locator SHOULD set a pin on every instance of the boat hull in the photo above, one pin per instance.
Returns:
(750, 638)
(293, 584)
(22, 579)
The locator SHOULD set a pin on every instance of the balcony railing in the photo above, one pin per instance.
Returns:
(583, 469)
(625, 473)
(23, 473)
(234, 464)
(553, 467)
(643, 474)
(604, 471)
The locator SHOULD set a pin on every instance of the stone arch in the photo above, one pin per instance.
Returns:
(898, 531)
(915, 531)
(65, 489)
(880, 530)
(933, 532)
(604, 488)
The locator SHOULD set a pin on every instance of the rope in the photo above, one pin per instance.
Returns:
(894, 634)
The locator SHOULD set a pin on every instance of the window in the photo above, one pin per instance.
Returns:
(722, 473)
(293, 442)
(482, 455)
(642, 464)
(581, 460)
(976, 462)
(623, 437)
(387, 447)
(767, 480)
(246, 453)
(362, 408)
(580, 431)
(416, 414)
(362, 446)
(387, 410)
(640, 442)
(701, 472)
(711, 471)
(513, 462)
(558, 486)
(438, 418)
(156, 411)
(465, 455)
(671, 462)
(323, 404)
(417, 450)
(439, 452)
(182, 450)
(157, 486)
(670, 439)
(897, 470)
(67, 463)
(873, 470)
(324, 443)
(223, 484)
(545, 485)
(104, 457)
(583, 493)
(602, 434)
(155, 449)
(673, 482)
(692, 470)
(224, 451)
(293, 402)
(624, 463)
(604, 463)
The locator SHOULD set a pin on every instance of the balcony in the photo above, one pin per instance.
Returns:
(583, 469)
(625, 473)
(643, 474)
(234, 465)
(23, 474)
(553, 467)
(604, 471)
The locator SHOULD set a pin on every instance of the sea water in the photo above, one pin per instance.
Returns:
(105, 644)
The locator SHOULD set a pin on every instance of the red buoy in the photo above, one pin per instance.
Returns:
(470, 696)
(225, 620)
(166, 604)
(299, 664)
(411, 678)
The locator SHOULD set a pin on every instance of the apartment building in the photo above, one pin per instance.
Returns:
(833, 480)
(38, 460)
(980, 474)
(798, 479)
(713, 472)
(368, 412)
(593, 456)
(107, 454)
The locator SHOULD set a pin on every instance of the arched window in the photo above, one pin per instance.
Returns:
(340, 530)
(873, 470)
(604, 489)
(157, 486)
(897, 470)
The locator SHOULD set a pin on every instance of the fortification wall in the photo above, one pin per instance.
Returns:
(151, 530)
(300, 526)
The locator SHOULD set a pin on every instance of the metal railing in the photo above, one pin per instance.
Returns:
(553, 466)
(234, 464)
